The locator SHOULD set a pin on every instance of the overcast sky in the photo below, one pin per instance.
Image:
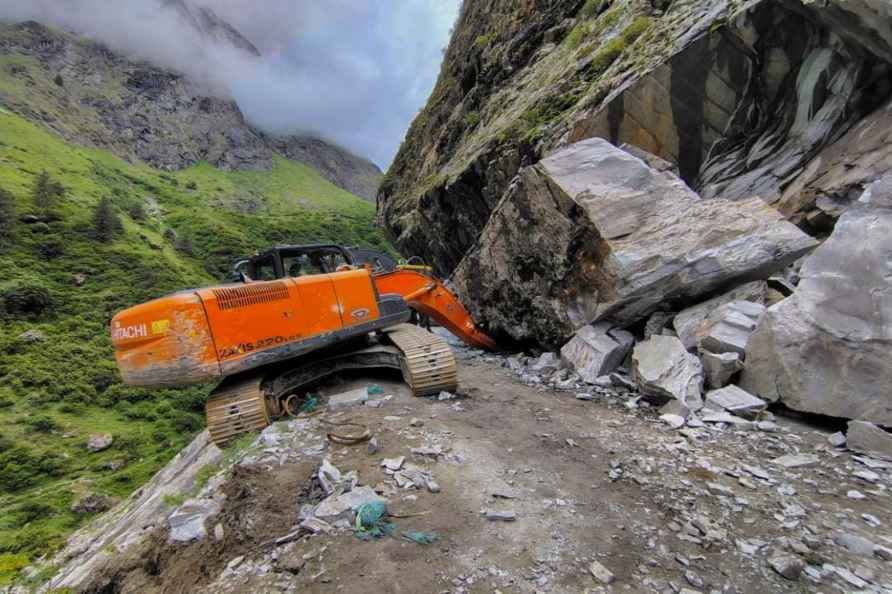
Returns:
(353, 71)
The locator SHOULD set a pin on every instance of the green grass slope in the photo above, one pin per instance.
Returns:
(56, 391)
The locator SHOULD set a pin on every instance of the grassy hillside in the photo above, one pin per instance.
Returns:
(179, 230)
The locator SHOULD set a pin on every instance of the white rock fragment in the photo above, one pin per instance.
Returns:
(597, 350)
(499, 516)
(735, 401)
(796, 460)
(674, 421)
(348, 399)
(837, 439)
(601, 573)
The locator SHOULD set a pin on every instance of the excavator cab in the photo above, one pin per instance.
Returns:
(291, 261)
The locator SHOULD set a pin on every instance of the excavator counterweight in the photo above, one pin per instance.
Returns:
(314, 311)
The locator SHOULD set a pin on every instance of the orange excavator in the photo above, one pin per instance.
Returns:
(296, 315)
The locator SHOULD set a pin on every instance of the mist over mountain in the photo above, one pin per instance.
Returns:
(353, 72)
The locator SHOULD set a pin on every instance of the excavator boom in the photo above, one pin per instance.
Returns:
(427, 295)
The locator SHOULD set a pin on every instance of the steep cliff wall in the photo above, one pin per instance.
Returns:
(782, 99)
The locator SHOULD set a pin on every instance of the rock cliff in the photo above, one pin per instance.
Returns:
(89, 94)
(785, 100)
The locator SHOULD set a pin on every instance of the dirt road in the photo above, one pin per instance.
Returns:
(660, 510)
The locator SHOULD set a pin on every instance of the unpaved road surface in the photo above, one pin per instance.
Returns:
(662, 510)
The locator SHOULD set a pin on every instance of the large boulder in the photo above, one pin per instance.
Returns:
(826, 349)
(664, 369)
(597, 350)
(592, 233)
(729, 328)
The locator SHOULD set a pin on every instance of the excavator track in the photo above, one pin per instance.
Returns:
(248, 402)
(428, 362)
(236, 406)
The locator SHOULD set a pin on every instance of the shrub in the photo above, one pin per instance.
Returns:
(593, 8)
(25, 298)
(577, 35)
(59, 81)
(46, 192)
(184, 245)
(52, 247)
(106, 223)
(192, 186)
(7, 214)
(136, 211)
(472, 118)
(41, 424)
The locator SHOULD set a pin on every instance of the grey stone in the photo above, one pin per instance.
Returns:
(837, 439)
(499, 516)
(546, 363)
(788, 566)
(719, 368)
(187, 522)
(735, 401)
(597, 350)
(92, 503)
(601, 573)
(348, 399)
(677, 408)
(674, 421)
(796, 460)
(855, 544)
(612, 239)
(689, 322)
(32, 336)
(315, 525)
(826, 348)
(728, 329)
(393, 464)
(100, 442)
(337, 507)
(869, 439)
(663, 368)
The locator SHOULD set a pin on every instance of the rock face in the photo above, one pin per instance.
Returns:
(141, 112)
(90, 550)
(593, 233)
(664, 369)
(785, 100)
(597, 350)
(826, 348)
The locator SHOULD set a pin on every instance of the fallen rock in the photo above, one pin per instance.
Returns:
(788, 566)
(735, 401)
(592, 233)
(855, 544)
(663, 368)
(601, 573)
(719, 368)
(100, 442)
(689, 321)
(597, 350)
(869, 439)
(348, 399)
(188, 522)
(92, 503)
(728, 329)
(674, 421)
(32, 336)
(499, 516)
(837, 439)
(343, 506)
(795, 460)
(826, 348)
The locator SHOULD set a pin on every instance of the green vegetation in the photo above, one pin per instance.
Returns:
(58, 381)
(593, 8)
(46, 193)
(7, 215)
(472, 118)
(614, 48)
(106, 223)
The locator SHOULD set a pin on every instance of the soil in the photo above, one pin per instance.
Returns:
(551, 455)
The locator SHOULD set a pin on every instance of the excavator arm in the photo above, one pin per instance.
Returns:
(428, 296)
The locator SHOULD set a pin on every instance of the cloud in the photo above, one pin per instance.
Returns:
(351, 71)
